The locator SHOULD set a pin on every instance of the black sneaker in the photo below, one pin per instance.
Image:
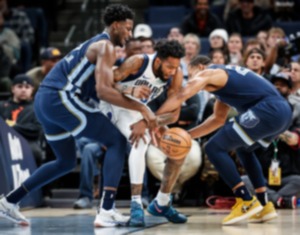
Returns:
(287, 202)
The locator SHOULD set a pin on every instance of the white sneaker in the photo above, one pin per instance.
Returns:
(110, 218)
(11, 212)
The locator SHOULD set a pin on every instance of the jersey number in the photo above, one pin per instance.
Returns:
(238, 69)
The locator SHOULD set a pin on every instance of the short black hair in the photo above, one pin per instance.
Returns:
(200, 59)
(169, 48)
(117, 12)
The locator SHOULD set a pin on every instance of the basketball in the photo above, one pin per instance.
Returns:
(175, 143)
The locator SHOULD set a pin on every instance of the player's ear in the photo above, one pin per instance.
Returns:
(158, 61)
(115, 25)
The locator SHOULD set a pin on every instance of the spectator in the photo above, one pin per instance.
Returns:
(9, 41)
(175, 34)
(218, 57)
(192, 47)
(295, 75)
(255, 61)
(5, 68)
(19, 22)
(253, 43)
(133, 46)
(248, 19)
(49, 57)
(147, 45)
(142, 31)
(284, 10)
(235, 49)
(275, 53)
(120, 52)
(18, 113)
(262, 36)
(282, 158)
(218, 40)
(201, 21)
(91, 153)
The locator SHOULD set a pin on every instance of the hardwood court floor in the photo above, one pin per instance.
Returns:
(201, 221)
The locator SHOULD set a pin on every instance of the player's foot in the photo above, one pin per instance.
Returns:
(83, 203)
(11, 212)
(136, 215)
(267, 213)
(168, 212)
(242, 210)
(110, 218)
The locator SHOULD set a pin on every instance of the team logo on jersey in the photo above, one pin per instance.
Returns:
(144, 77)
(249, 119)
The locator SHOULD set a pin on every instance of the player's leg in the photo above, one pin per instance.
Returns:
(136, 163)
(255, 173)
(162, 205)
(100, 129)
(63, 146)
(217, 148)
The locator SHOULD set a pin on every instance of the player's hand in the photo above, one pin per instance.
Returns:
(150, 118)
(156, 134)
(141, 92)
(138, 132)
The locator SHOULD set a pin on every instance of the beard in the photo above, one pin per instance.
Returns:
(160, 73)
(117, 41)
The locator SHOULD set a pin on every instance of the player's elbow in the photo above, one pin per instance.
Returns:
(101, 91)
(220, 120)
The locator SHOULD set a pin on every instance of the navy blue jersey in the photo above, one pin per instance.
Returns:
(244, 88)
(74, 73)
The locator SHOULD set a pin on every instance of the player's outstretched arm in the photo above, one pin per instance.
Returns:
(105, 59)
(213, 122)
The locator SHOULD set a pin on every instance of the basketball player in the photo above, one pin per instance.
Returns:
(263, 114)
(62, 105)
(158, 71)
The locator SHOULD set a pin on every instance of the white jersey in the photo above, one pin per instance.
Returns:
(122, 117)
(146, 77)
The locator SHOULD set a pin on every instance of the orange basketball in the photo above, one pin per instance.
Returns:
(175, 143)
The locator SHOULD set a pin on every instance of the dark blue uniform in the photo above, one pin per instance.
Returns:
(63, 107)
(263, 114)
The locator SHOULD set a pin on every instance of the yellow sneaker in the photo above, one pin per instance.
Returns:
(267, 213)
(242, 210)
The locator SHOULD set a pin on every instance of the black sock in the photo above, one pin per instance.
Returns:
(108, 199)
(262, 198)
(16, 195)
(243, 193)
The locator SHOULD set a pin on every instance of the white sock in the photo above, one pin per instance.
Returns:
(137, 199)
(163, 199)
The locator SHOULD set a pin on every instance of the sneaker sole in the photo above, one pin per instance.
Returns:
(108, 225)
(21, 223)
(266, 218)
(243, 217)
